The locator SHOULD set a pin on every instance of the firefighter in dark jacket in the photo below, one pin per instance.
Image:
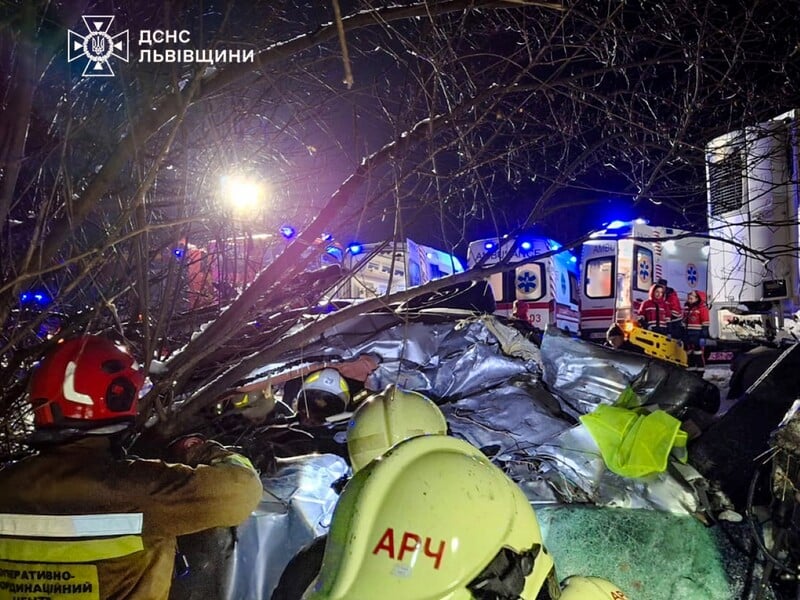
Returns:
(696, 321)
(654, 313)
(80, 517)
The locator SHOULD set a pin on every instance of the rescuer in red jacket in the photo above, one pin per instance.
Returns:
(696, 321)
(675, 321)
(80, 518)
(654, 313)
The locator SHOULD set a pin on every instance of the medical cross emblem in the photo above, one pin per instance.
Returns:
(691, 275)
(98, 46)
(526, 281)
(644, 271)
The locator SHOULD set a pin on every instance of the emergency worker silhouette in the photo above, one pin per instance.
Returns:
(79, 519)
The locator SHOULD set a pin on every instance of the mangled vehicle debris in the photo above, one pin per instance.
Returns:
(531, 407)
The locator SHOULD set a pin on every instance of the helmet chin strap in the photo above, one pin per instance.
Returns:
(107, 429)
(504, 577)
(60, 435)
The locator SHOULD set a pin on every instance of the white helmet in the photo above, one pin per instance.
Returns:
(323, 393)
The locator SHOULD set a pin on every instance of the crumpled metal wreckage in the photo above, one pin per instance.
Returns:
(500, 392)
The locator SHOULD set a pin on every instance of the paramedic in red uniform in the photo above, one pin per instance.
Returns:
(675, 321)
(654, 313)
(519, 310)
(79, 517)
(696, 321)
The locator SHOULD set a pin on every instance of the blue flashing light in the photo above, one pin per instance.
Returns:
(355, 249)
(526, 245)
(573, 259)
(553, 245)
(617, 224)
(179, 252)
(41, 298)
(488, 245)
(288, 231)
(334, 251)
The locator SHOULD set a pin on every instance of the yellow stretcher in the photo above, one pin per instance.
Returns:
(658, 345)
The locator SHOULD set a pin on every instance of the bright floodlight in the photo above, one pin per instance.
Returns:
(241, 193)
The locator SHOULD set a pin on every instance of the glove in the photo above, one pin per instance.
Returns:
(701, 342)
(194, 449)
(179, 448)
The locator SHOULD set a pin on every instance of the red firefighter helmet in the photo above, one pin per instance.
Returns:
(84, 382)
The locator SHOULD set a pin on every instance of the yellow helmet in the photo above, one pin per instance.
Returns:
(433, 520)
(388, 418)
(323, 393)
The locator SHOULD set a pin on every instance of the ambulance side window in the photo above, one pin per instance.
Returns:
(599, 281)
(574, 290)
(643, 263)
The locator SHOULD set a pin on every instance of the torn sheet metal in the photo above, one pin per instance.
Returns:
(455, 359)
(572, 464)
(507, 420)
(584, 375)
(441, 357)
(553, 460)
(297, 506)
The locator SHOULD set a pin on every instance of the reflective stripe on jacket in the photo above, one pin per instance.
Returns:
(62, 538)
(90, 526)
(674, 304)
(655, 312)
(696, 317)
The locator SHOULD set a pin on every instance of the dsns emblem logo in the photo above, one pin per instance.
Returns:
(98, 46)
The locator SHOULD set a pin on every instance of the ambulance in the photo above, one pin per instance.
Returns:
(380, 269)
(620, 262)
(542, 280)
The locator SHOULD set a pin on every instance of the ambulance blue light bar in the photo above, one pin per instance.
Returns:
(553, 245)
(35, 297)
(617, 224)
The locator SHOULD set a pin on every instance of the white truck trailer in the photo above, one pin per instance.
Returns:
(753, 196)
